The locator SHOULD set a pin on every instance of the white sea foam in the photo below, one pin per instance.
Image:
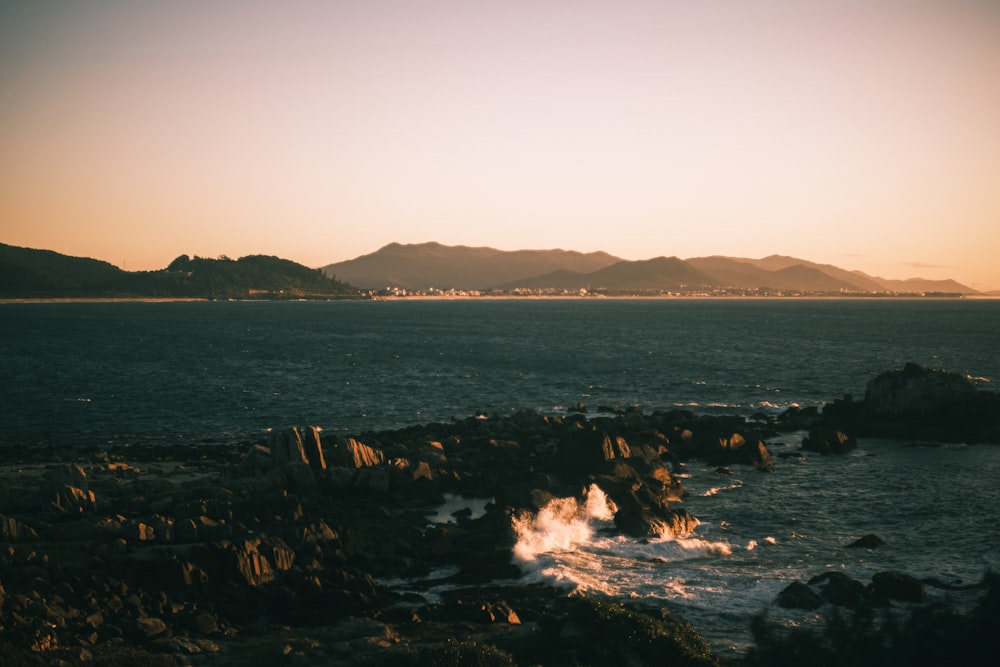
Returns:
(564, 544)
(716, 489)
(563, 524)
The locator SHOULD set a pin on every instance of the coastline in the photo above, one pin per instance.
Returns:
(102, 299)
(508, 297)
(322, 548)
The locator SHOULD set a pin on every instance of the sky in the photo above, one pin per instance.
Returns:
(861, 133)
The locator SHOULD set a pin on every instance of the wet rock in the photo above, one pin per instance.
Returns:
(840, 589)
(580, 452)
(478, 611)
(313, 449)
(65, 489)
(919, 402)
(144, 628)
(897, 586)
(826, 441)
(353, 454)
(605, 633)
(869, 541)
(637, 519)
(286, 447)
(916, 390)
(760, 456)
(138, 531)
(797, 418)
(248, 564)
(12, 530)
(257, 461)
(799, 596)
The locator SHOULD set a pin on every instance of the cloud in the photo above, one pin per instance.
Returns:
(928, 265)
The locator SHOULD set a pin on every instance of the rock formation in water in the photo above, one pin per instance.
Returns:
(281, 547)
(218, 550)
(919, 402)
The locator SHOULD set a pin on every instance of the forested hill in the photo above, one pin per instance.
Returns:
(29, 273)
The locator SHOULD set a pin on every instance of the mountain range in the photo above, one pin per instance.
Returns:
(430, 266)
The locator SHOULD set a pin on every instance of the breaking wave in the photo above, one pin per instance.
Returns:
(574, 543)
(562, 524)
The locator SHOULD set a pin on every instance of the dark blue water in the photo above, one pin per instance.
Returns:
(186, 372)
(178, 372)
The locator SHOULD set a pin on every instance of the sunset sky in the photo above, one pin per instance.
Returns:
(862, 133)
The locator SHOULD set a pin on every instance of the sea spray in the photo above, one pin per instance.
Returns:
(574, 543)
(564, 523)
(556, 545)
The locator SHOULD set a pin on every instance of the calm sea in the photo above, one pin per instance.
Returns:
(92, 373)
(226, 371)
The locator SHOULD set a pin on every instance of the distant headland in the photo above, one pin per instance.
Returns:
(435, 270)
(42, 274)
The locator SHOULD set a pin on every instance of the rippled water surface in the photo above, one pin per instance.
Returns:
(178, 372)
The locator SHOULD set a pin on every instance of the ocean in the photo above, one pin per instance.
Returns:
(193, 372)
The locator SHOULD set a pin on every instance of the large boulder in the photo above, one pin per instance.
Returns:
(869, 541)
(651, 482)
(353, 454)
(294, 446)
(829, 441)
(12, 530)
(65, 490)
(840, 589)
(916, 391)
(919, 402)
(580, 452)
(897, 586)
(798, 596)
(637, 519)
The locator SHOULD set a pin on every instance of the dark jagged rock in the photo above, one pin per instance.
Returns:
(897, 586)
(825, 441)
(646, 520)
(12, 530)
(593, 632)
(721, 441)
(916, 391)
(580, 452)
(840, 589)
(919, 402)
(796, 418)
(66, 491)
(293, 532)
(799, 596)
(869, 541)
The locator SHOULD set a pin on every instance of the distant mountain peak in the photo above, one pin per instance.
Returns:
(422, 266)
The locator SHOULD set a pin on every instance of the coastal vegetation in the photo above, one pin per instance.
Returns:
(29, 273)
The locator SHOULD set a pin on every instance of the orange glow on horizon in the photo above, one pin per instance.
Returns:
(844, 132)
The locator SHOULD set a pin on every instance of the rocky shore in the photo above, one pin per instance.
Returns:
(285, 551)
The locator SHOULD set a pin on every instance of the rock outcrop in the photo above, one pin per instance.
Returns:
(919, 402)
(829, 441)
(918, 392)
(203, 549)
(179, 548)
